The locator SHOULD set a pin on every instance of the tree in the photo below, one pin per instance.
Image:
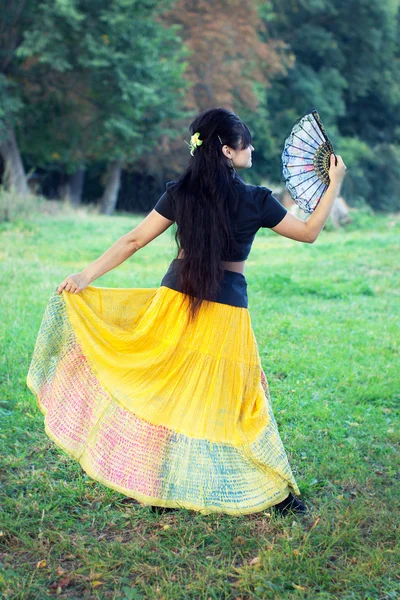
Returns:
(228, 65)
(14, 17)
(100, 78)
(347, 66)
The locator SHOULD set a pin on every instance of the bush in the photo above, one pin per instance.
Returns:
(14, 206)
(17, 208)
(356, 186)
(383, 173)
(373, 176)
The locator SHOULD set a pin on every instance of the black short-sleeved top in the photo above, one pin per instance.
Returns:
(257, 208)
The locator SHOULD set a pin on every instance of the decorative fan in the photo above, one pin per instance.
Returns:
(306, 161)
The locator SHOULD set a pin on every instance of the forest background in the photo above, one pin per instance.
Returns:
(96, 96)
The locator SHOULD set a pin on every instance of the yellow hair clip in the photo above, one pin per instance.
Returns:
(194, 142)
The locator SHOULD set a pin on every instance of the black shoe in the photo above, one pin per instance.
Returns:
(161, 509)
(290, 505)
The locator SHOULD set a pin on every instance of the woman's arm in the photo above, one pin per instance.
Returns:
(118, 253)
(151, 227)
(308, 231)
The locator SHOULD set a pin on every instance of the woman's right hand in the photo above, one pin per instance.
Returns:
(337, 172)
(74, 283)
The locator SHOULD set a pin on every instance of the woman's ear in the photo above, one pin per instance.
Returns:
(226, 151)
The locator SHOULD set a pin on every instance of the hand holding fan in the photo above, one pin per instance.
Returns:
(306, 161)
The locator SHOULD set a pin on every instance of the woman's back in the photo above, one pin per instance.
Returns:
(257, 208)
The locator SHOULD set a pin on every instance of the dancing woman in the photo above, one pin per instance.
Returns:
(159, 393)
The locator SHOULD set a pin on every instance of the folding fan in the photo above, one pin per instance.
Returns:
(306, 161)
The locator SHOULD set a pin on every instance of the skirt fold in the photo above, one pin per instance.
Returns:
(169, 414)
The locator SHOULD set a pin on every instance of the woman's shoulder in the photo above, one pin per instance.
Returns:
(254, 190)
(165, 204)
(170, 187)
(269, 210)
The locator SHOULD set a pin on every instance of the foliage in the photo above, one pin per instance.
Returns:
(356, 186)
(102, 78)
(10, 103)
(15, 17)
(383, 174)
(227, 54)
(229, 63)
(347, 66)
(86, 82)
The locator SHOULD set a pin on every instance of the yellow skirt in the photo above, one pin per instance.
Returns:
(169, 413)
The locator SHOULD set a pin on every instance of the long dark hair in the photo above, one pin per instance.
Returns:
(205, 199)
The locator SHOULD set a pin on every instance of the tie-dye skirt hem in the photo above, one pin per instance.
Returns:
(170, 414)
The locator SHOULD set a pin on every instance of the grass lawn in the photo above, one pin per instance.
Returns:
(326, 317)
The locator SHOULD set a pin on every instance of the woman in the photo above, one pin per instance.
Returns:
(159, 393)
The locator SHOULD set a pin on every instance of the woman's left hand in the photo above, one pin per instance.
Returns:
(73, 283)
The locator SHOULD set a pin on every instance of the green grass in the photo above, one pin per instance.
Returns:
(326, 320)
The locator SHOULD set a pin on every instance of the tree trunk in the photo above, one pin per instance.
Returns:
(14, 172)
(75, 186)
(109, 199)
